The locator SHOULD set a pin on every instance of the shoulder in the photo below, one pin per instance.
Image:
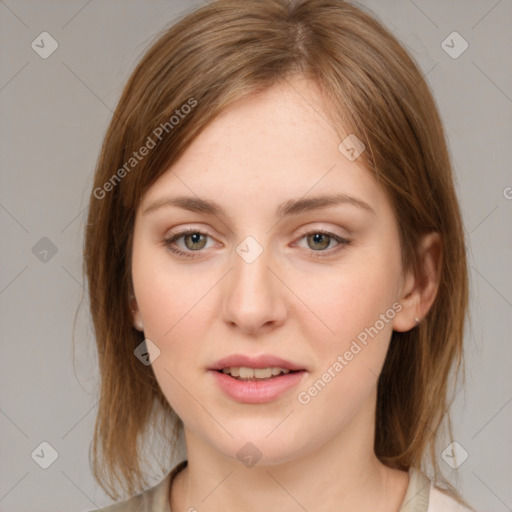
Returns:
(439, 501)
(155, 499)
(143, 502)
(423, 496)
(131, 505)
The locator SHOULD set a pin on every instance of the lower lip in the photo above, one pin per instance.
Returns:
(257, 392)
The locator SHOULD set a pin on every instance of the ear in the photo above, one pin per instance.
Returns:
(420, 286)
(136, 315)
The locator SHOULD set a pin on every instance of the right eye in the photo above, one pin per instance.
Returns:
(194, 240)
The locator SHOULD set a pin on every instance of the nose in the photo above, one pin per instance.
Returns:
(253, 299)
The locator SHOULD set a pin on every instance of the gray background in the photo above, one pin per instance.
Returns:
(54, 113)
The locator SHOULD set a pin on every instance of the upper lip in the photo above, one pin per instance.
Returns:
(261, 361)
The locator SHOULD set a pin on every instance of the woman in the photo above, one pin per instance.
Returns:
(276, 265)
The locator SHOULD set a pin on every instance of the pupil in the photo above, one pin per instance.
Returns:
(321, 239)
(195, 241)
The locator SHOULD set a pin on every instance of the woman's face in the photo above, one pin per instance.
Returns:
(256, 283)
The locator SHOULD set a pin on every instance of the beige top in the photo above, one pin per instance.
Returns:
(421, 496)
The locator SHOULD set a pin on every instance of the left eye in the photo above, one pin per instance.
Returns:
(318, 241)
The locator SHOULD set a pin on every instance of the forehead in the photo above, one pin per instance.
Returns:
(265, 150)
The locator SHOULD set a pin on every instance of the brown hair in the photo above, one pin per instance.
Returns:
(225, 52)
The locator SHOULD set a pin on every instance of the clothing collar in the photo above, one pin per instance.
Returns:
(415, 499)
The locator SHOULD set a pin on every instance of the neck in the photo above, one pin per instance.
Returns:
(342, 474)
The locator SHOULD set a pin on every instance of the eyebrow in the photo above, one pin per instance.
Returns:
(291, 207)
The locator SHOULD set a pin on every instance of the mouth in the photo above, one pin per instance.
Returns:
(262, 366)
(256, 385)
(246, 374)
(256, 379)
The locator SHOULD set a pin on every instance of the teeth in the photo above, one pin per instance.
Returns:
(251, 373)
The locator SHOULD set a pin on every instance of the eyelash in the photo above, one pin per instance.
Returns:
(169, 242)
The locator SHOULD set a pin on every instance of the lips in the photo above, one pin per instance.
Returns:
(257, 391)
(261, 361)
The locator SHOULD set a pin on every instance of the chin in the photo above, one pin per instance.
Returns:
(253, 446)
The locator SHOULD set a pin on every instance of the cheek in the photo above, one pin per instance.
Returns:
(360, 312)
(172, 302)
(166, 297)
(356, 302)
(350, 298)
(171, 307)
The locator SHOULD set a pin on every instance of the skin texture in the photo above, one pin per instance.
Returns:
(264, 151)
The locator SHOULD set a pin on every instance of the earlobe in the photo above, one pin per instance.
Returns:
(406, 318)
(421, 286)
(136, 316)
